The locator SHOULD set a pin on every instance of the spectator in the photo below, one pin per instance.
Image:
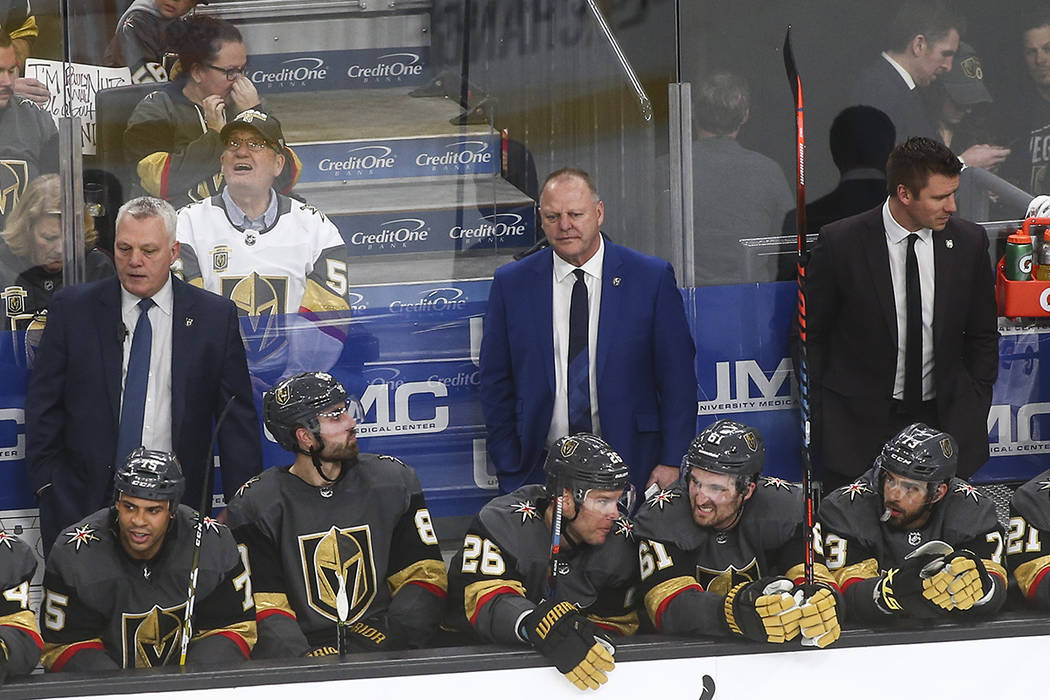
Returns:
(173, 133)
(140, 40)
(28, 136)
(1029, 165)
(737, 193)
(17, 20)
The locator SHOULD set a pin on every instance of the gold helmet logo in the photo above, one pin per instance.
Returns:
(338, 564)
(151, 639)
(946, 448)
(569, 447)
(281, 393)
(752, 441)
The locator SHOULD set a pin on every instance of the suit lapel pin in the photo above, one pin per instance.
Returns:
(949, 243)
(189, 322)
(616, 281)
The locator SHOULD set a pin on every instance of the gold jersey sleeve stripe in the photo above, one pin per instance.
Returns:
(24, 620)
(153, 173)
(1030, 574)
(477, 594)
(661, 595)
(624, 625)
(430, 573)
(55, 656)
(318, 299)
(267, 604)
(854, 573)
(243, 634)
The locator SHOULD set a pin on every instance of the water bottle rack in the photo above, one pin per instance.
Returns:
(1022, 298)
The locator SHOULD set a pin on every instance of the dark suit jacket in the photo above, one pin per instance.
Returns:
(882, 87)
(73, 402)
(647, 389)
(852, 344)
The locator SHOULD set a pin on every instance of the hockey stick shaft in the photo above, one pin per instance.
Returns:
(803, 253)
(198, 534)
(552, 575)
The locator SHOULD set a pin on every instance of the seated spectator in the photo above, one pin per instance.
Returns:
(115, 583)
(910, 540)
(20, 641)
(281, 261)
(737, 193)
(1028, 562)
(1029, 111)
(31, 252)
(16, 18)
(28, 136)
(173, 133)
(140, 40)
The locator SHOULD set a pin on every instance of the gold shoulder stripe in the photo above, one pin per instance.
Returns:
(1029, 573)
(624, 625)
(430, 572)
(847, 575)
(661, 594)
(478, 593)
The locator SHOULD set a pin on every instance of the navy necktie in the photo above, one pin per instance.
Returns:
(913, 326)
(134, 404)
(578, 374)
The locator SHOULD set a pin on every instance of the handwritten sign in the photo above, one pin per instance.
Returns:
(73, 87)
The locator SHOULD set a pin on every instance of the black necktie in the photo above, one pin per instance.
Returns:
(578, 368)
(133, 406)
(913, 336)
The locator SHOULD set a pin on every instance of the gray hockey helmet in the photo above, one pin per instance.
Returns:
(583, 462)
(921, 453)
(151, 474)
(726, 447)
(296, 401)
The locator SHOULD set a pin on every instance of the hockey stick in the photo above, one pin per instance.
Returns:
(803, 255)
(191, 595)
(552, 575)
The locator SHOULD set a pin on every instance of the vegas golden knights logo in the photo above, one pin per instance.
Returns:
(568, 447)
(220, 258)
(262, 300)
(751, 440)
(153, 639)
(14, 300)
(14, 175)
(339, 558)
(721, 582)
(282, 393)
(946, 448)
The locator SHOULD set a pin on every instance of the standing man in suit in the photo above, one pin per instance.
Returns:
(902, 319)
(140, 359)
(586, 336)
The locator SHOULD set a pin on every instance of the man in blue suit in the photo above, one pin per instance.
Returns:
(637, 388)
(192, 361)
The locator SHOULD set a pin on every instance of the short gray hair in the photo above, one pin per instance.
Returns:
(144, 207)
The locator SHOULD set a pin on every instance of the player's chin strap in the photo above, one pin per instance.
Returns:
(315, 457)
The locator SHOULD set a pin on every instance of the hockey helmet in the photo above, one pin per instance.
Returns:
(726, 447)
(151, 474)
(583, 462)
(296, 401)
(921, 453)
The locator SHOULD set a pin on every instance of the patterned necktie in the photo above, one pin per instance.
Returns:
(133, 406)
(578, 374)
(913, 325)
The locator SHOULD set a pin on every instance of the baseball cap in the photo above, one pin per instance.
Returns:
(266, 125)
(965, 81)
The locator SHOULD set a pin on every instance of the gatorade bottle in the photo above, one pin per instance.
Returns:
(1018, 257)
(1042, 271)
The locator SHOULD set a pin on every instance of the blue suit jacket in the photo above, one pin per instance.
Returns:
(647, 389)
(73, 402)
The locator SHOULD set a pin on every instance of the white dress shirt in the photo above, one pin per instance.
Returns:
(156, 419)
(897, 246)
(905, 75)
(563, 281)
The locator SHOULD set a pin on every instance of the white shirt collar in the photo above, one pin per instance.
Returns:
(896, 233)
(163, 298)
(592, 267)
(905, 75)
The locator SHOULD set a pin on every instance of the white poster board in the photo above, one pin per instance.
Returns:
(73, 87)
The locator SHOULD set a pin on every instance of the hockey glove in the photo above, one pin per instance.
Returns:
(763, 610)
(820, 618)
(960, 584)
(371, 634)
(574, 644)
(900, 590)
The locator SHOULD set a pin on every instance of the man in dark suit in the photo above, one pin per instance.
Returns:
(189, 362)
(902, 319)
(921, 43)
(637, 387)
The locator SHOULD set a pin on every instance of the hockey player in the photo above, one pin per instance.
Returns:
(20, 641)
(337, 537)
(509, 586)
(721, 550)
(910, 540)
(281, 261)
(1028, 561)
(115, 583)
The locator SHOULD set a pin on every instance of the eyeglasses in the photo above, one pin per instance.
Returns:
(234, 144)
(230, 73)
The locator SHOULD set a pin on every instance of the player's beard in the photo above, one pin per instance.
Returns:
(344, 452)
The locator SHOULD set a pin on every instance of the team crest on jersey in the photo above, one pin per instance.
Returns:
(14, 300)
(777, 483)
(14, 175)
(625, 527)
(152, 639)
(1044, 485)
(6, 539)
(855, 489)
(721, 581)
(662, 498)
(339, 560)
(81, 536)
(261, 298)
(946, 448)
(247, 484)
(220, 258)
(526, 509)
(968, 490)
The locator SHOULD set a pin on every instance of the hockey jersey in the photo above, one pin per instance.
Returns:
(28, 147)
(500, 572)
(1026, 556)
(105, 610)
(687, 570)
(139, 42)
(289, 280)
(372, 529)
(859, 547)
(19, 633)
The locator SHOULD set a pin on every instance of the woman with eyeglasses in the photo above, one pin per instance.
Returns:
(173, 134)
